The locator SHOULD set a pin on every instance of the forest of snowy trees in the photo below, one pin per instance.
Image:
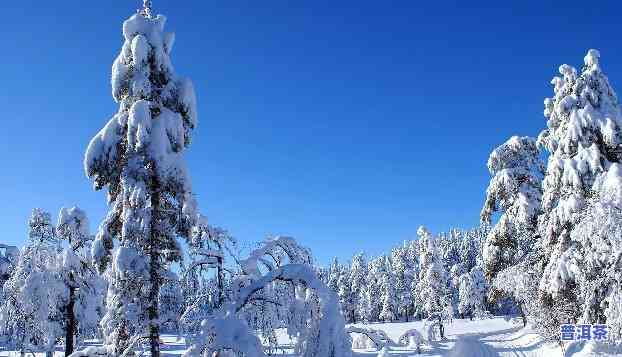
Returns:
(431, 275)
(548, 249)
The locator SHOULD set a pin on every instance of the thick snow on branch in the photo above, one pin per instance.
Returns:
(325, 335)
(274, 247)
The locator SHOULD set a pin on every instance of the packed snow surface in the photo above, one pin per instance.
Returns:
(465, 338)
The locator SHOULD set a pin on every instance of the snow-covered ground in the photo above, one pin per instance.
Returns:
(465, 338)
(494, 337)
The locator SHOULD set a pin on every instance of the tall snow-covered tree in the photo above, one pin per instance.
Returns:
(472, 297)
(83, 305)
(584, 140)
(358, 278)
(403, 279)
(599, 234)
(334, 271)
(435, 298)
(516, 191)
(30, 314)
(369, 303)
(346, 296)
(41, 231)
(138, 157)
(388, 297)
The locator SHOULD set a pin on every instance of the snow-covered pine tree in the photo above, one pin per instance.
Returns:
(365, 300)
(41, 231)
(30, 314)
(583, 138)
(334, 271)
(435, 298)
(403, 280)
(473, 289)
(83, 306)
(414, 270)
(369, 304)
(388, 297)
(358, 278)
(516, 191)
(345, 295)
(138, 156)
(8, 259)
(599, 234)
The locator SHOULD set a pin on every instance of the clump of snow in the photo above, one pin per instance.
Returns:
(592, 57)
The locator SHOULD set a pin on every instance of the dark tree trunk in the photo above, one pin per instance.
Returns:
(71, 320)
(154, 276)
(221, 283)
(522, 314)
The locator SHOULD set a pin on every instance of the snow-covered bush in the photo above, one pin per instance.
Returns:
(322, 334)
(413, 339)
(203, 281)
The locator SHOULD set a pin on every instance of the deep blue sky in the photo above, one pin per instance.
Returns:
(346, 124)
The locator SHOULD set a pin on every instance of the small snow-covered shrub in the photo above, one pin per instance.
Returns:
(321, 334)
(91, 352)
(362, 342)
(413, 339)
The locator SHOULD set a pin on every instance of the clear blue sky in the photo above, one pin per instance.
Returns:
(346, 124)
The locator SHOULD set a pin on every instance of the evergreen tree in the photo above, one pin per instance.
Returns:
(8, 259)
(345, 295)
(388, 311)
(30, 314)
(82, 304)
(333, 275)
(358, 278)
(515, 190)
(433, 284)
(371, 303)
(403, 280)
(472, 296)
(138, 156)
(583, 138)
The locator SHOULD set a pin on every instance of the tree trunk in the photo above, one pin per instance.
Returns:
(221, 283)
(441, 328)
(154, 273)
(71, 320)
(522, 314)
